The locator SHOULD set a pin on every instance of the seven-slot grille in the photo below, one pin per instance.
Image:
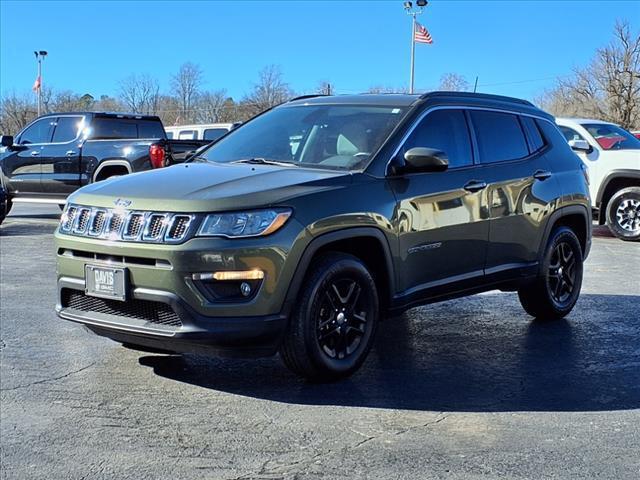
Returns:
(130, 226)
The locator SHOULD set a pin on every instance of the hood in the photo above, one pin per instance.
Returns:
(206, 187)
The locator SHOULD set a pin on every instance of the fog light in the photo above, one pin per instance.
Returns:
(245, 289)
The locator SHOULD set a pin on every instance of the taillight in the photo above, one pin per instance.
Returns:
(157, 156)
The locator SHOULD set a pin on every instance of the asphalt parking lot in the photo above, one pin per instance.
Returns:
(465, 389)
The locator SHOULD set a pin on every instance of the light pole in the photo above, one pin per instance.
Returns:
(413, 12)
(40, 54)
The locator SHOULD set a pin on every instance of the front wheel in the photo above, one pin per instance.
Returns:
(555, 291)
(623, 214)
(333, 325)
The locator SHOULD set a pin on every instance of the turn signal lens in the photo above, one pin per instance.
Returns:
(230, 275)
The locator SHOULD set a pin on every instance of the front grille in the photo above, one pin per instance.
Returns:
(155, 313)
(130, 226)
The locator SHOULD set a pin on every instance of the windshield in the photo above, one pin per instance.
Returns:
(612, 137)
(326, 136)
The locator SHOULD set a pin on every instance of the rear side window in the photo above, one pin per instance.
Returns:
(214, 133)
(536, 142)
(188, 135)
(38, 132)
(150, 129)
(444, 130)
(113, 128)
(169, 135)
(499, 135)
(67, 129)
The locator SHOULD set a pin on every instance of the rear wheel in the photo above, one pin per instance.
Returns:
(333, 325)
(623, 214)
(555, 291)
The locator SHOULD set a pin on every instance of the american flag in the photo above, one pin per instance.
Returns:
(422, 35)
(37, 84)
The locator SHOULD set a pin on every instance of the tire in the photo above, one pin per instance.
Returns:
(333, 325)
(623, 214)
(555, 291)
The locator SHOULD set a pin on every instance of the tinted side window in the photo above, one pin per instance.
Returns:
(39, 132)
(66, 129)
(150, 129)
(214, 133)
(499, 135)
(444, 130)
(113, 128)
(570, 133)
(536, 142)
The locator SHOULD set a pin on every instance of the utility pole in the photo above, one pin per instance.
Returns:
(413, 12)
(38, 85)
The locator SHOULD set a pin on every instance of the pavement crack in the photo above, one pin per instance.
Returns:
(47, 380)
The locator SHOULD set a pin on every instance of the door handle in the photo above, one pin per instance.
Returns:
(541, 175)
(475, 186)
(70, 153)
(35, 153)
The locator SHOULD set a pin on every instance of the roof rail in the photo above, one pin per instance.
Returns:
(487, 96)
(311, 95)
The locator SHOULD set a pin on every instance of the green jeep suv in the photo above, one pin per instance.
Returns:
(302, 229)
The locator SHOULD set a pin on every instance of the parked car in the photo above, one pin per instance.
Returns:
(613, 157)
(58, 153)
(383, 203)
(208, 131)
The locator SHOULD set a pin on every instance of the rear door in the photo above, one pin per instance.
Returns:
(442, 220)
(60, 159)
(21, 165)
(511, 152)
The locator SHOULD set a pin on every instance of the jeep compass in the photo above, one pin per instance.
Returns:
(302, 229)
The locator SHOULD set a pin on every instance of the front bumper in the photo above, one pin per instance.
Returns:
(225, 336)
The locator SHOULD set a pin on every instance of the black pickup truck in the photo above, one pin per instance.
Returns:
(58, 153)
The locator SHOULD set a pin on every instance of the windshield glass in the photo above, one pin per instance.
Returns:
(612, 137)
(326, 136)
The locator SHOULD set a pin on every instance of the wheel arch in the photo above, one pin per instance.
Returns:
(614, 181)
(108, 164)
(368, 244)
(578, 219)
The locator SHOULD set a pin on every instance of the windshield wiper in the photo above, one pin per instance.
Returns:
(264, 161)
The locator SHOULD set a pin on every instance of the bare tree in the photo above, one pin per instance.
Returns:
(271, 90)
(325, 88)
(15, 112)
(186, 87)
(216, 106)
(140, 93)
(608, 88)
(452, 82)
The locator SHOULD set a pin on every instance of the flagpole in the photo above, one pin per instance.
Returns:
(40, 85)
(413, 51)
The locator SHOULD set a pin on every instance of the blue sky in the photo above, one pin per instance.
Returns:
(515, 47)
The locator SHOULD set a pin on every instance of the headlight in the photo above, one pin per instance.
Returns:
(244, 224)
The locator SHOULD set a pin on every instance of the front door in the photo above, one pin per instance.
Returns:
(441, 218)
(22, 163)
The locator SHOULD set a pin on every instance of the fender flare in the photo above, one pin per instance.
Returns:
(557, 215)
(612, 175)
(325, 239)
(110, 163)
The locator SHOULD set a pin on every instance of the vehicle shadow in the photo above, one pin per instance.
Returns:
(478, 354)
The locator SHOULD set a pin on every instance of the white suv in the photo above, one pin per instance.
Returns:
(612, 156)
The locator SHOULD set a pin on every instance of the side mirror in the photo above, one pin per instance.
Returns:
(6, 140)
(580, 146)
(420, 159)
